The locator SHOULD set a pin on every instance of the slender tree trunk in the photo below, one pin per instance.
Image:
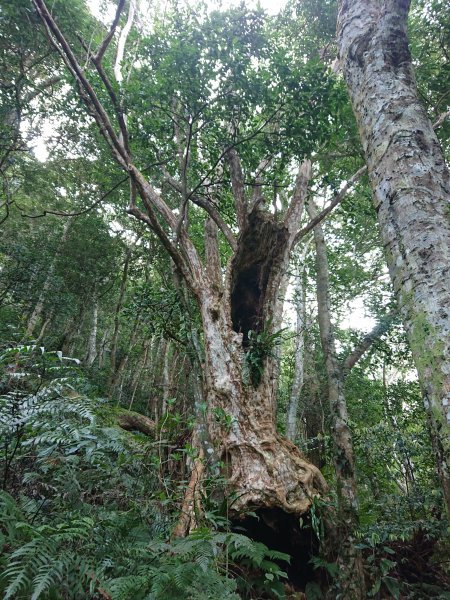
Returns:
(350, 559)
(138, 373)
(411, 187)
(120, 366)
(39, 306)
(92, 342)
(115, 335)
(166, 378)
(102, 349)
(72, 341)
(43, 329)
(154, 376)
(297, 384)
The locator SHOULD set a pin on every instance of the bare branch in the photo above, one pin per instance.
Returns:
(208, 207)
(131, 421)
(341, 195)
(247, 138)
(64, 49)
(80, 212)
(366, 342)
(122, 41)
(442, 117)
(104, 45)
(184, 155)
(237, 185)
(212, 254)
(152, 222)
(121, 119)
(257, 184)
(190, 268)
(295, 208)
(189, 264)
(336, 200)
(42, 87)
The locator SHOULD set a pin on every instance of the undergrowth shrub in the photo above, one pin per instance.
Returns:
(81, 511)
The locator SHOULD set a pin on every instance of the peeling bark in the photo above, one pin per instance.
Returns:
(411, 187)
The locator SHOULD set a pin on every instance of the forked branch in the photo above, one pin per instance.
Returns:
(326, 211)
(187, 260)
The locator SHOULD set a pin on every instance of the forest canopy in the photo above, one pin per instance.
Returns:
(224, 300)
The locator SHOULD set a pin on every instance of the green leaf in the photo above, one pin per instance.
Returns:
(393, 586)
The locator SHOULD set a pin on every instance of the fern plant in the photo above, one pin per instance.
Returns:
(261, 344)
(206, 565)
(83, 516)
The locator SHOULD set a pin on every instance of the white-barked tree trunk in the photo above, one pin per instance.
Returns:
(411, 188)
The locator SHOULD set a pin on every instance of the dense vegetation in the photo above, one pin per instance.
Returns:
(103, 348)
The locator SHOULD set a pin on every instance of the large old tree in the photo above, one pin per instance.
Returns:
(240, 301)
(411, 187)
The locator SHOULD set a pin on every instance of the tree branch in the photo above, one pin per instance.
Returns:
(212, 254)
(336, 200)
(42, 87)
(341, 195)
(442, 117)
(295, 208)
(189, 264)
(208, 207)
(237, 185)
(64, 49)
(122, 41)
(104, 45)
(366, 342)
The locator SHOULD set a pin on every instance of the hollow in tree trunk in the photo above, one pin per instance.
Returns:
(266, 473)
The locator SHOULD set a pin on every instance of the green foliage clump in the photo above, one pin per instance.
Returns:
(261, 344)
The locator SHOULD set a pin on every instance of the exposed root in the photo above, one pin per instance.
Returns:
(272, 474)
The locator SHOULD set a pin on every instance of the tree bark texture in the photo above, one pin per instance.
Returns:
(297, 384)
(264, 471)
(132, 421)
(350, 559)
(411, 187)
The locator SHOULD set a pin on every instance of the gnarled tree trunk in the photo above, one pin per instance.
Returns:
(266, 473)
(264, 470)
(411, 187)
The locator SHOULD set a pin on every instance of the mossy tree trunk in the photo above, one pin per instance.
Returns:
(411, 188)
